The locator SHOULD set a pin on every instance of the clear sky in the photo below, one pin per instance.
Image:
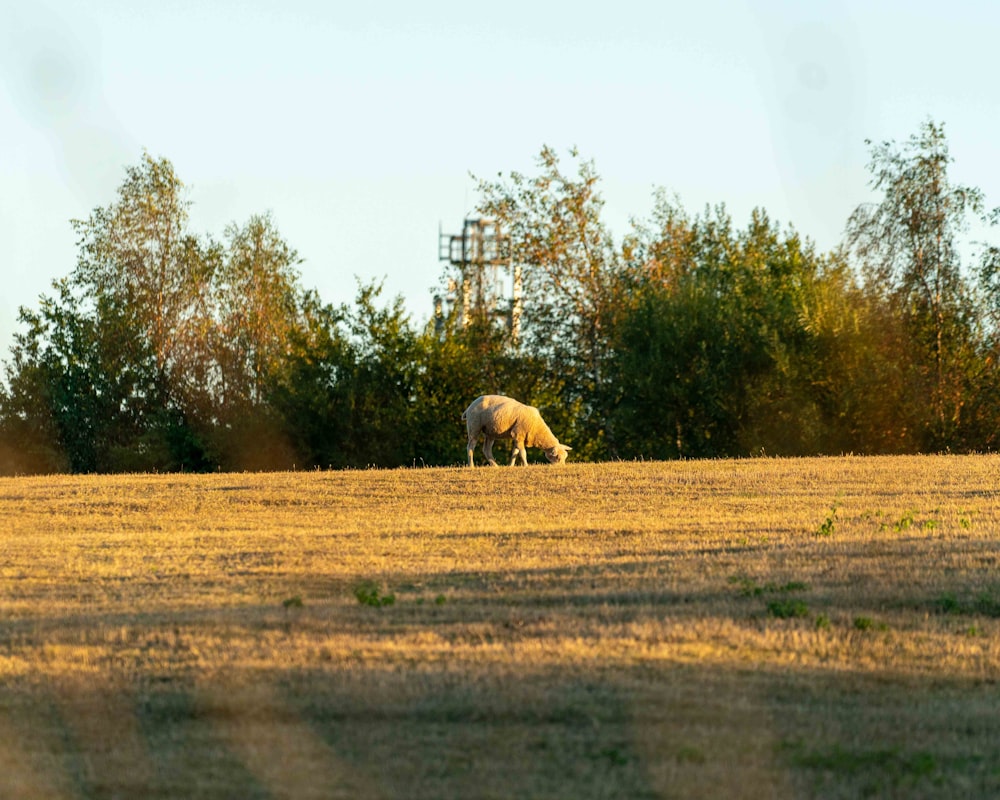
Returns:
(357, 125)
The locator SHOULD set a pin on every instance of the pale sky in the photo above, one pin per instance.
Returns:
(358, 124)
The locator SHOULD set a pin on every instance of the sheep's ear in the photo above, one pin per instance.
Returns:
(567, 447)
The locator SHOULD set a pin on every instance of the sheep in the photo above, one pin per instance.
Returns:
(499, 417)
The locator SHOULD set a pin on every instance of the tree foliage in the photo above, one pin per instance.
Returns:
(908, 245)
(718, 343)
(136, 253)
(569, 263)
(692, 336)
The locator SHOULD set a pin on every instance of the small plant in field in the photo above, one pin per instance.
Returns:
(987, 605)
(867, 624)
(787, 609)
(822, 622)
(783, 608)
(369, 594)
(984, 604)
(440, 600)
(826, 529)
(748, 587)
(905, 522)
(292, 602)
(909, 520)
(947, 604)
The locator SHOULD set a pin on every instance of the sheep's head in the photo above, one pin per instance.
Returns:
(557, 454)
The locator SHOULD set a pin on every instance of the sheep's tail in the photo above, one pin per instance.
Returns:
(463, 415)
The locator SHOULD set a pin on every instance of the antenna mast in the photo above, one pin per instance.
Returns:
(481, 256)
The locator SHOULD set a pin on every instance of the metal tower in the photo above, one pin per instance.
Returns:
(481, 256)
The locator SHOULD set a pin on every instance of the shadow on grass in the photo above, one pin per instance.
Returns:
(649, 731)
(427, 725)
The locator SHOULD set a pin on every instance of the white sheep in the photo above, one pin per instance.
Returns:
(498, 417)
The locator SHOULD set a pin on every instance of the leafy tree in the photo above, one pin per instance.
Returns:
(681, 355)
(163, 350)
(859, 357)
(158, 350)
(200, 345)
(311, 388)
(569, 263)
(137, 254)
(83, 390)
(258, 306)
(29, 419)
(909, 248)
(346, 393)
(382, 382)
(715, 353)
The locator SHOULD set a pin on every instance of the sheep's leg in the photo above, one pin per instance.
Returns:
(519, 450)
(472, 448)
(488, 451)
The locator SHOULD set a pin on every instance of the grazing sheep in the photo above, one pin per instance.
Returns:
(498, 417)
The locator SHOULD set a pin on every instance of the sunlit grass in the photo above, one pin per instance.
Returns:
(817, 627)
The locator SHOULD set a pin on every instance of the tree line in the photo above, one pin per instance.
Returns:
(692, 336)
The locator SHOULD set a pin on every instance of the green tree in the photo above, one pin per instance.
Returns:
(569, 263)
(347, 392)
(82, 392)
(311, 389)
(908, 245)
(382, 382)
(138, 254)
(859, 357)
(715, 353)
(159, 350)
(258, 304)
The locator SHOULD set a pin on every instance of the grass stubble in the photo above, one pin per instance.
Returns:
(755, 628)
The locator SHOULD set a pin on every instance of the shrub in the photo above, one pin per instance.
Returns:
(369, 594)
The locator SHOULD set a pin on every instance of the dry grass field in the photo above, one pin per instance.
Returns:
(759, 628)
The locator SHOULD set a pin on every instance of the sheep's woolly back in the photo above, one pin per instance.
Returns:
(504, 417)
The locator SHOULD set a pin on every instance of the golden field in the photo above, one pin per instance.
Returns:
(757, 628)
